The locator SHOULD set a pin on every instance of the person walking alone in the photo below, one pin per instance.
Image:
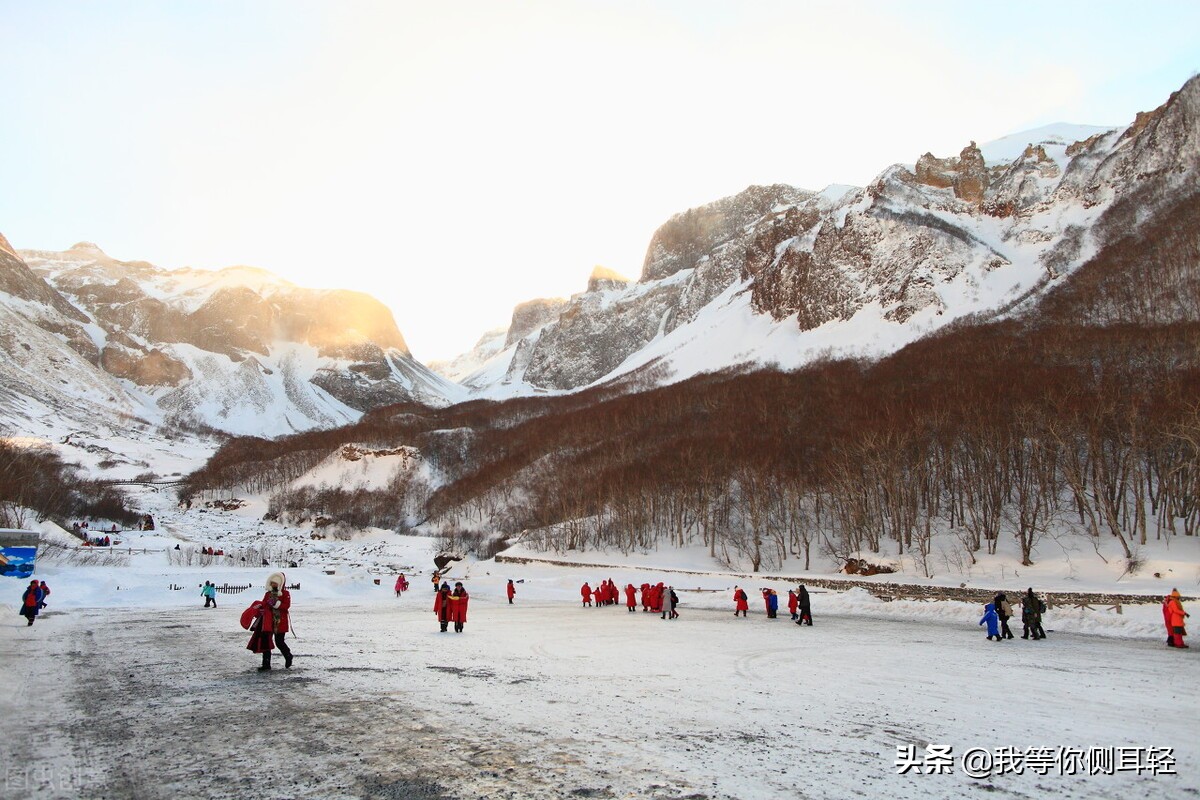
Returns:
(1178, 615)
(31, 602)
(274, 621)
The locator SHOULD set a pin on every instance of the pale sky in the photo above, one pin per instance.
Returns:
(456, 158)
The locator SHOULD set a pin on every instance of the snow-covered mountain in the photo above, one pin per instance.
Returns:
(99, 341)
(779, 276)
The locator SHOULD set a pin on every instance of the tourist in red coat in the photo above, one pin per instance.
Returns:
(631, 597)
(645, 597)
(274, 621)
(1175, 607)
(458, 606)
(441, 606)
(741, 601)
(793, 603)
(512, 591)
(585, 592)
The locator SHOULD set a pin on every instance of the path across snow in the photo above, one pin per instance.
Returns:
(548, 700)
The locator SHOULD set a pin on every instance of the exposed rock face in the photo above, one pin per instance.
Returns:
(143, 367)
(688, 237)
(238, 349)
(605, 280)
(529, 316)
(954, 236)
(967, 175)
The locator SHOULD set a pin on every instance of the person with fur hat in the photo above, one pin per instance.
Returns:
(273, 622)
(1174, 607)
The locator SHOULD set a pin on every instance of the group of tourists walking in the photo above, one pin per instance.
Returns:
(997, 613)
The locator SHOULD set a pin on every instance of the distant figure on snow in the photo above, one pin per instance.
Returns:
(805, 604)
(31, 602)
(458, 606)
(741, 601)
(670, 600)
(1004, 611)
(631, 597)
(993, 622)
(209, 593)
(793, 603)
(585, 592)
(441, 606)
(401, 584)
(1174, 607)
(1032, 608)
(511, 591)
(45, 593)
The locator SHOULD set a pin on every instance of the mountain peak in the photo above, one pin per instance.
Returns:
(90, 248)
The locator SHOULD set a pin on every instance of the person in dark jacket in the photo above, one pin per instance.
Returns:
(31, 602)
(1004, 611)
(1032, 608)
(804, 603)
(45, 593)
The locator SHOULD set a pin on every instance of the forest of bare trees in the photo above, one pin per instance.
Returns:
(1083, 417)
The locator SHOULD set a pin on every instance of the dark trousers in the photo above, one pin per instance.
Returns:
(1005, 631)
(283, 648)
(210, 601)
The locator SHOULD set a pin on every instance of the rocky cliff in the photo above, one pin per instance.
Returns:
(238, 350)
(779, 275)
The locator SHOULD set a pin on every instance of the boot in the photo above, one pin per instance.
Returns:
(266, 665)
(287, 661)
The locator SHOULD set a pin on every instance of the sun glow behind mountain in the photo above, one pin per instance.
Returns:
(456, 159)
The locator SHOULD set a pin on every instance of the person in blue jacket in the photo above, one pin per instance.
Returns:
(993, 622)
(772, 604)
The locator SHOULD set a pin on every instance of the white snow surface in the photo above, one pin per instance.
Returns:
(545, 698)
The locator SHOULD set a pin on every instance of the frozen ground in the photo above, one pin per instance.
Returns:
(544, 699)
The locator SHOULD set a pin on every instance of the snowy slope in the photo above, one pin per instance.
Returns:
(778, 276)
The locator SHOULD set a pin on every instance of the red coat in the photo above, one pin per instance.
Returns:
(441, 605)
(1175, 610)
(793, 602)
(631, 596)
(458, 606)
(275, 612)
(512, 590)
(586, 592)
(742, 600)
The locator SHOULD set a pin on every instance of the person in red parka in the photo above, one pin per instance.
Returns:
(631, 597)
(793, 603)
(458, 606)
(274, 621)
(585, 592)
(512, 590)
(645, 597)
(741, 601)
(1177, 614)
(441, 606)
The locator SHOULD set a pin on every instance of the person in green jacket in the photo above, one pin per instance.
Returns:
(209, 593)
